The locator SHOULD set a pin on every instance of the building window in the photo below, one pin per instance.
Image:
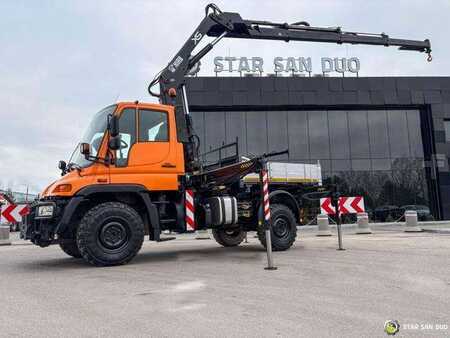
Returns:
(374, 153)
(447, 130)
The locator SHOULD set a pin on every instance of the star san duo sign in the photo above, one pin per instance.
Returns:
(292, 65)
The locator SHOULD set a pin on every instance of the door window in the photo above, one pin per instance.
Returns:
(153, 126)
(127, 132)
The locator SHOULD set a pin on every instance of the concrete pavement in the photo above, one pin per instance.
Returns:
(197, 288)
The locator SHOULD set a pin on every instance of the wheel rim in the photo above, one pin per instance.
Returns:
(232, 233)
(280, 227)
(114, 235)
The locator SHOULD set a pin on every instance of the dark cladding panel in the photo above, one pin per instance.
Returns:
(339, 134)
(363, 97)
(359, 134)
(281, 84)
(319, 141)
(433, 96)
(240, 98)
(415, 134)
(277, 132)
(298, 135)
(341, 165)
(335, 84)
(210, 83)
(256, 132)
(236, 127)
(378, 134)
(398, 133)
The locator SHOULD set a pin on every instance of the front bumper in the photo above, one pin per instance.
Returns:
(43, 231)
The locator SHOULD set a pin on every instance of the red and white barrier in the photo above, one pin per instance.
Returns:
(266, 195)
(190, 210)
(347, 205)
(12, 213)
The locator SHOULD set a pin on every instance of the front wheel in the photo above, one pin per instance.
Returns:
(70, 247)
(284, 228)
(110, 233)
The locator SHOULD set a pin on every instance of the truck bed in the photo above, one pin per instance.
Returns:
(288, 172)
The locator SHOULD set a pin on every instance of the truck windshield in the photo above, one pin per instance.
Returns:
(93, 135)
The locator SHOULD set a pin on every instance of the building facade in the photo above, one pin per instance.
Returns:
(382, 138)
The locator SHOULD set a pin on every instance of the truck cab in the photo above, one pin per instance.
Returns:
(147, 154)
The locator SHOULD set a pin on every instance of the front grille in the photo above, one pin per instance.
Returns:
(41, 231)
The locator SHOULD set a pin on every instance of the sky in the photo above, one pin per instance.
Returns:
(62, 61)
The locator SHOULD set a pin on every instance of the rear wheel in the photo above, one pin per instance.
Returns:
(70, 247)
(111, 233)
(284, 228)
(229, 237)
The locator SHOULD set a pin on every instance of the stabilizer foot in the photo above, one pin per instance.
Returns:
(271, 268)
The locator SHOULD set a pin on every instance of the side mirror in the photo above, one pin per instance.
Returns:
(85, 149)
(113, 125)
(62, 165)
(114, 143)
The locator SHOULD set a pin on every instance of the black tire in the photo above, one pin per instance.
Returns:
(109, 234)
(70, 248)
(229, 237)
(284, 228)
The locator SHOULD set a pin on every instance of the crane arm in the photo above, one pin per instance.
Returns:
(220, 24)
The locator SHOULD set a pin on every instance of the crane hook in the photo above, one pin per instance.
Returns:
(429, 58)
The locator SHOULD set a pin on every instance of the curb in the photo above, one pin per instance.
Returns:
(382, 225)
(437, 231)
(15, 243)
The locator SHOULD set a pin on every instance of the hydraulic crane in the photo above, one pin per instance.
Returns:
(221, 25)
(137, 171)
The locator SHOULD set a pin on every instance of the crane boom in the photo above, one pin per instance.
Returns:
(220, 24)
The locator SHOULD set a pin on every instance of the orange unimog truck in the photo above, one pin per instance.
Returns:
(137, 170)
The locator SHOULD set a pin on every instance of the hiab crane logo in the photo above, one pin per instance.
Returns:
(197, 37)
(175, 64)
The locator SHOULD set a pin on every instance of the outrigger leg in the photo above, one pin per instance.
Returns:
(264, 216)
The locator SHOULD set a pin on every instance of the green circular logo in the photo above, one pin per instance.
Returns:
(391, 327)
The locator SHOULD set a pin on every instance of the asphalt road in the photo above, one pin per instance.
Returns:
(196, 288)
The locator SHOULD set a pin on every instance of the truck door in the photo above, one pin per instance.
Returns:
(149, 151)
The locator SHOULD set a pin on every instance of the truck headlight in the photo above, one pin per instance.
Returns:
(45, 211)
